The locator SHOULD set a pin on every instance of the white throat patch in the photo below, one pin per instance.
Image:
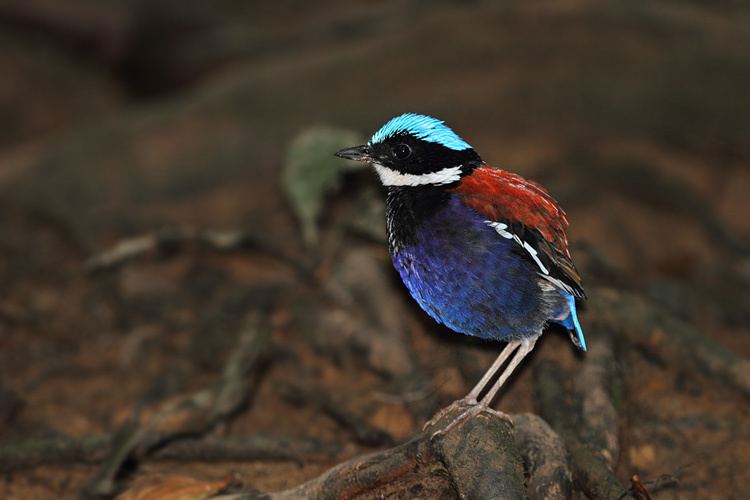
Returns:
(390, 177)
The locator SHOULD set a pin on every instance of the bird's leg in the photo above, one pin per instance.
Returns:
(504, 355)
(526, 347)
(470, 399)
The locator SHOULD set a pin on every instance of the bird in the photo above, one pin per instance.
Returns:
(482, 250)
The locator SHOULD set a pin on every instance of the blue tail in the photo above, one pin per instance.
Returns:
(571, 323)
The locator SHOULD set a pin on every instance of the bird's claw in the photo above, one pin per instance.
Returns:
(443, 411)
(500, 414)
(473, 408)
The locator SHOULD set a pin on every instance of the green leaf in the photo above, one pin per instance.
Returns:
(312, 172)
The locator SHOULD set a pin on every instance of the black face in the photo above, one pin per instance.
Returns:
(409, 155)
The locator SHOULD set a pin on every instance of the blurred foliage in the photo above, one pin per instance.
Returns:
(311, 172)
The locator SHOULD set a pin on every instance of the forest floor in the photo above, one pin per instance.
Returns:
(249, 359)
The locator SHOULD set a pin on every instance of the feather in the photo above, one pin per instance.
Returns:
(523, 210)
(422, 127)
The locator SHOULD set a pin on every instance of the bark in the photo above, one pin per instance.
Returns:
(545, 459)
(476, 458)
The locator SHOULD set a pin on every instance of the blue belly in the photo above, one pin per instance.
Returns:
(464, 275)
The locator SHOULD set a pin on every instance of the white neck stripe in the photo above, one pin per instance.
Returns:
(390, 177)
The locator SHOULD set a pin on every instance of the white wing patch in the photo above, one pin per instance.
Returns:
(502, 230)
(390, 177)
(560, 284)
(534, 255)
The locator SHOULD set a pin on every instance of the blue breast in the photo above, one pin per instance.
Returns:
(464, 275)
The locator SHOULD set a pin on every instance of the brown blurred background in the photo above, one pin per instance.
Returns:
(120, 118)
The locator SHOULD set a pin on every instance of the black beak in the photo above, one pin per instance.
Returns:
(357, 153)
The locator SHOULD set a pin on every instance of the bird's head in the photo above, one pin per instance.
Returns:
(416, 150)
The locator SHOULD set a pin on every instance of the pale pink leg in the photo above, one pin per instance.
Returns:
(526, 347)
(504, 354)
(473, 408)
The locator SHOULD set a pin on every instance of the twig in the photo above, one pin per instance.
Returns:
(642, 490)
(664, 481)
(637, 488)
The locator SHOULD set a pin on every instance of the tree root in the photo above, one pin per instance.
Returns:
(591, 471)
(477, 458)
(362, 432)
(592, 394)
(544, 458)
(63, 450)
(196, 414)
(170, 240)
(646, 324)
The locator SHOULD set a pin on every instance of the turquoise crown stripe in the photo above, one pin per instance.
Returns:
(422, 127)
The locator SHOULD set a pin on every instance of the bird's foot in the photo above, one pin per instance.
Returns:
(470, 408)
(459, 403)
(497, 413)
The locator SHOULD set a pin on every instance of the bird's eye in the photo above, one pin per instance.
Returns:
(402, 151)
